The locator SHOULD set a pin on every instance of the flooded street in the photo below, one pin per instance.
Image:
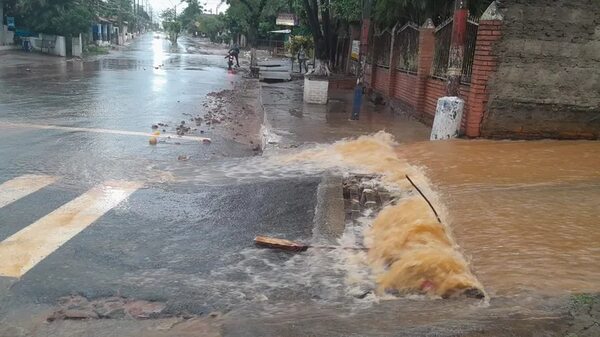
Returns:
(104, 234)
(95, 116)
(148, 82)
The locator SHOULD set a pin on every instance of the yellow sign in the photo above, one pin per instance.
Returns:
(355, 49)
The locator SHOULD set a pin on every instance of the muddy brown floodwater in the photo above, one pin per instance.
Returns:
(525, 213)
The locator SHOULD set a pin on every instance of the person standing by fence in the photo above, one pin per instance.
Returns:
(302, 59)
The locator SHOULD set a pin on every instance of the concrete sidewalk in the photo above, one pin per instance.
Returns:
(17, 57)
(289, 122)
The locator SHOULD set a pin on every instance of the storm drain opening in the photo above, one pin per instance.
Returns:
(410, 250)
(363, 192)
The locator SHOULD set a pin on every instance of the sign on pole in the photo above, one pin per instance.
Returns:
(355, 49)
(286, 19)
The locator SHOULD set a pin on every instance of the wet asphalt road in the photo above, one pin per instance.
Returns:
(185, 237)
(177, 240)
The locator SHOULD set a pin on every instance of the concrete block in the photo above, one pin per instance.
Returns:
(448, 115)
(316, 90)
(76, 46)
(275, 75)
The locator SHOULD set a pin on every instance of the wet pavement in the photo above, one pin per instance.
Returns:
(147, 83)
(81, 128)
(291, 123)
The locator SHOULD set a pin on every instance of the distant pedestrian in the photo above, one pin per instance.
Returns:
(302, 58)
(235, 52)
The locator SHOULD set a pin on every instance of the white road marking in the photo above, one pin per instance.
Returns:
(108, 131)
(26, 248)
(19, 187)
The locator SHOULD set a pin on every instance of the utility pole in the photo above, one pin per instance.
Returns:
(457, 46)
(1, 22)
(449, 109)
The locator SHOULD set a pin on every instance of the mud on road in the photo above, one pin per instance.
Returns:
(234, 113)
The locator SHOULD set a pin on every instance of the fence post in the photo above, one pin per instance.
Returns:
(392, 63)
(425, 61)
(457, 47)
(484, 67)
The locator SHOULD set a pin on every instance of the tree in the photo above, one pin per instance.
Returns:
(170, 24)
(211, 25)
(321, 33)
(251, 16)
(388, 12)
(347, 10)
(60, 17)
(189, 15)
(122, 10)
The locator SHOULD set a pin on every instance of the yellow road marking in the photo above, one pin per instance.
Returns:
(108, 131)
(26, 248)
(22, 186)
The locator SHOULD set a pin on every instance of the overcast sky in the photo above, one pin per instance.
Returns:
(160, 5)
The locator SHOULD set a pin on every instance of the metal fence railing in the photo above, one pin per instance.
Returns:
(406, 48)
(443, 37)
(469, 55)
(276, 47)
(383, 44)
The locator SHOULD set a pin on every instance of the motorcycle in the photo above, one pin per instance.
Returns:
(230, 58)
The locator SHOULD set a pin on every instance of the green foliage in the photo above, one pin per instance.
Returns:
(120, 9)
(237, 18)
(211, 25)
(189, 14)
(389, 12)
(171, 26)
(582, 299)
(71, 17)
(295, 42)
(61, 17)
(348, 10)
(253, 18)
(168, 14)
(92, 49)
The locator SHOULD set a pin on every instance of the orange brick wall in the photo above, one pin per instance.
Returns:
(382, 80)
(435, 89)
(484, 66)
(419, 93)
(404, 88)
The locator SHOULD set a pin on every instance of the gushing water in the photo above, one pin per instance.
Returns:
(525, 212)
(410, 251)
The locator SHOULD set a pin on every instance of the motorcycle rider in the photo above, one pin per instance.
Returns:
(235, 51)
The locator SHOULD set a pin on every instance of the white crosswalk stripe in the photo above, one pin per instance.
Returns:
(26, 248)
(22, 186)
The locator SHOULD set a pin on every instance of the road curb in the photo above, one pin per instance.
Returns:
(329, 219)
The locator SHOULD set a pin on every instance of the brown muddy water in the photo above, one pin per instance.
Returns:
(518, 216)
(410, 252)
(525, 213)
(518, 222)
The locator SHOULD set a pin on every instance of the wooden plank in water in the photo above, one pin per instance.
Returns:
(269, 242)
